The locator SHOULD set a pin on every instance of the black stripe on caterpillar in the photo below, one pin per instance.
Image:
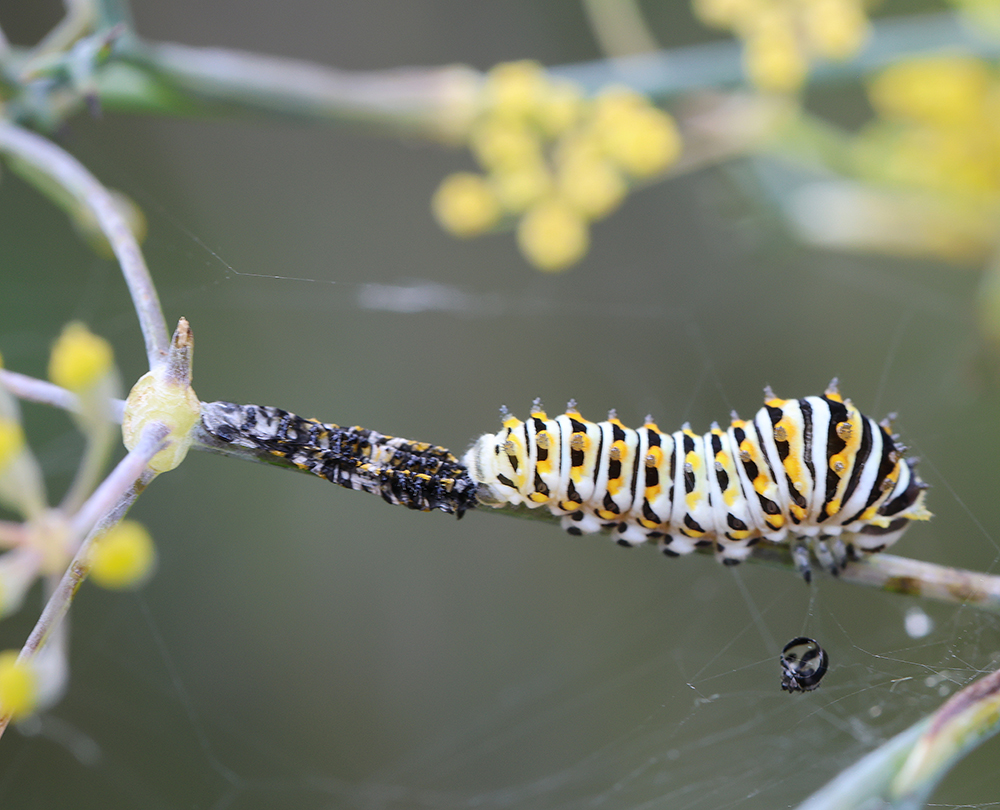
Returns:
(411, 474)
(811, 472)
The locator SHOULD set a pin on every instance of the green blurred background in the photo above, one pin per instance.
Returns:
(304, 646)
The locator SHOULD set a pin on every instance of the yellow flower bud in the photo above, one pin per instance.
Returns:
(11, 441)
(940, 90)
(79, 358)
(501, 143)
(553, 235)
(615, 104)
(518, 187)
(644, 141)
(560, 108)
(594, 187)
(514, 89)
(465, 205)
(581, 145)
(835, 29)
(124, 557)
(18, 686)
(772, 56)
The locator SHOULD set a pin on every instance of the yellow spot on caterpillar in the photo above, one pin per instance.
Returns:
(869, 513)
(730, 496)
(538, 497)
(579, 441)
(693, 461)
(833, 507)
(844, 431)
(654, 457)
(570, 506)
(793, 467)
(780, 432)
(761, 484)
(543, 439)
(617, 451)
(604, 514)
(838, 463)
(648, 524)
(692, 499)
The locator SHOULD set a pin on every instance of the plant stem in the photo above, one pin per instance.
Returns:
(106, 507)
(41, 156)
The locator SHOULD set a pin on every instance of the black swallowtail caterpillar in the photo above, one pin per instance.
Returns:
(812, 468)
(412, 474)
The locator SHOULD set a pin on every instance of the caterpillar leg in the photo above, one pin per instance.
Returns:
(829, 551)
(800, 556)
(824, 556)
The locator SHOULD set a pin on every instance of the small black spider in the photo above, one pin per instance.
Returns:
(803, 665)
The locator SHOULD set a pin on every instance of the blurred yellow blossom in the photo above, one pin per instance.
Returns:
(772, 55)
(554, 157)
(644, 142)
(938, 128)
(124, 557)
(79, 358)
(836, 29)
(465, 205)
(501, 143)
(553, 235)
(781, 37)
(560, 108)
(515, 89)
(11, 441)
(518, 187)
(593, 186)
(944, 91)
(18, 686)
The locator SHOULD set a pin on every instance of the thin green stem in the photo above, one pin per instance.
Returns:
(32, 155)
(80, 18)
(168, 77)
(619, 27)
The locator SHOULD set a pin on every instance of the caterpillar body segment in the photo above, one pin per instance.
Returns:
(812, 472)
(416, 475)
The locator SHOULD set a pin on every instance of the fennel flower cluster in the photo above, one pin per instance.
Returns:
(553, 161)
(782, 37)
(938, 127)
(45, 539)
(936, 144)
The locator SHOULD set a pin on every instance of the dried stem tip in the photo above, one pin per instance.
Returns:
(164, 394)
